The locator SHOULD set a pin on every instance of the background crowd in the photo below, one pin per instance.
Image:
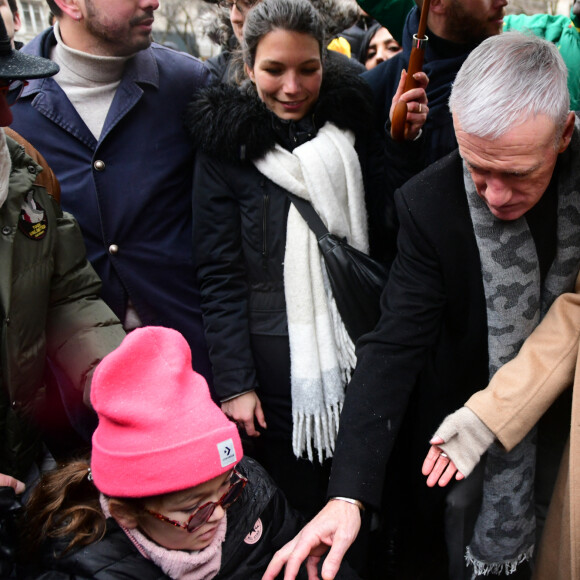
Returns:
(181, 388)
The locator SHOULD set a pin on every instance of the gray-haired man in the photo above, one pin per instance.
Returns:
(489, 237)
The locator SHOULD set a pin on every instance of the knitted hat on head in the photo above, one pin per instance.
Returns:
(159, 430)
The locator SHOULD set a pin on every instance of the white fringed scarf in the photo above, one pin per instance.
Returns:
(325, 171)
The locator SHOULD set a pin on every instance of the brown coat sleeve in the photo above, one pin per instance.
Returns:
(523, 389)
(47, 178)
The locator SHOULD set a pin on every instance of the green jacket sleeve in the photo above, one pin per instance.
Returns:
(545, 26)
(81, 328)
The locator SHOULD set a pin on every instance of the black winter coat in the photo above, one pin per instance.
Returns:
(428, 353)
(240, 216)
(115, 556)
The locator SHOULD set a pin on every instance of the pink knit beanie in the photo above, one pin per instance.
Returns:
(159, 431)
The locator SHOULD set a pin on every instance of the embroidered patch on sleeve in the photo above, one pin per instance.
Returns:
(32, 222)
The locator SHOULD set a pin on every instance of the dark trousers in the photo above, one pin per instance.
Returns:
(303, 482)
(461, 510)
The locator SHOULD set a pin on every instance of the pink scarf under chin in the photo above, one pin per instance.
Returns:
(179, 564)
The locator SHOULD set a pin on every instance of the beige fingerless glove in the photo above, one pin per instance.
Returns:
(466, 438)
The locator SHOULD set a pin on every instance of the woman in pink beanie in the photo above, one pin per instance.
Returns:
(167, 493)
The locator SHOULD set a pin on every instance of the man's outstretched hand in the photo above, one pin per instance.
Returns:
(336, 526)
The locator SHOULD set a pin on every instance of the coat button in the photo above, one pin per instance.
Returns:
(6, 230)
(113, 249)
(99, 165)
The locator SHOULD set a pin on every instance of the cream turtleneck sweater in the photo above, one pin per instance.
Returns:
(89, 81)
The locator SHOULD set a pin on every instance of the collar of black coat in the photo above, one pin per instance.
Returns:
(232, 123)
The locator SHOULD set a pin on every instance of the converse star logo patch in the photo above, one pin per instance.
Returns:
(227, 452)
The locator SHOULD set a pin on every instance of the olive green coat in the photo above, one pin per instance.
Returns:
(49, 306)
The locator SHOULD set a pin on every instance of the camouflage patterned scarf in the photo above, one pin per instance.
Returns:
(505, 530)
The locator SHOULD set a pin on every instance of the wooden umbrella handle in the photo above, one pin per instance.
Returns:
(399, 120)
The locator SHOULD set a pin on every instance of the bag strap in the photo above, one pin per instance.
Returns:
(309, 214)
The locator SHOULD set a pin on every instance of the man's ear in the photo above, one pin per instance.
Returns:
(17, 22)
(71, 8)
(123, 514)
(438, 6)
(567, 133)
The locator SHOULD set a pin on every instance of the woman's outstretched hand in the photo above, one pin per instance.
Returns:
(438, 467)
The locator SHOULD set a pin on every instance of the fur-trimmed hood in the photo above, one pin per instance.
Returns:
(232, 123)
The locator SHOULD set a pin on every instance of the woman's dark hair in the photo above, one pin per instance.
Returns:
(366, 41)
(291, 15)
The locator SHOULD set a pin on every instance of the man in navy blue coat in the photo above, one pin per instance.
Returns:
(110, 126)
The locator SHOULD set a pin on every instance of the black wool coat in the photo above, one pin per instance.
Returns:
(426, 356)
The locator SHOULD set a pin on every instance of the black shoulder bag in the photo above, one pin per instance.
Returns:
(356, 279)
